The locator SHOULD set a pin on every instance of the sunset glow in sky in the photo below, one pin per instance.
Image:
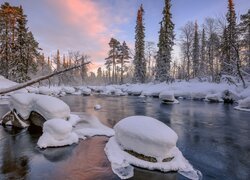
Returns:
(88, 25)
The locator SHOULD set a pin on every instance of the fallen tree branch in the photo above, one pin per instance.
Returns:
(33, 81)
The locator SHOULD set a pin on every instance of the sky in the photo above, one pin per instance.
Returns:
(88, 25)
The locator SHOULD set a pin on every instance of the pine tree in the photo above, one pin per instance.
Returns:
(165, 45)
(139, 58)
(112, 56)
(196, 52)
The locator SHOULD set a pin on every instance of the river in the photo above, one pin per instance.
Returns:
(215, 139)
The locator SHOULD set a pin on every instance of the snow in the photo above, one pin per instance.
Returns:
(97, 107)
(57, 132)
(156, 144)
(68, 90)
(49, 107)
(5, 83)
(90, 125)
(168, 97)
(53, 90)
(244, 105)
(153, 139)
(214, 98)
(60, 132)
(85, 91)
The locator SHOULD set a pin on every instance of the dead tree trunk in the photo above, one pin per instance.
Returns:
(33, 81)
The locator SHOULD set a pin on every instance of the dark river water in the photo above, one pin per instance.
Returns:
(215, 139)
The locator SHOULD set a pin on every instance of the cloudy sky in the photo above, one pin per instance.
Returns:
(88, 25)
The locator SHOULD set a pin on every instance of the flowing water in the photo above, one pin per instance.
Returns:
(215, 138)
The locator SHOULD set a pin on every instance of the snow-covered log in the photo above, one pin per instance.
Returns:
(33, 81)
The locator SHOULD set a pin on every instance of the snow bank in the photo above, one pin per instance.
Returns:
(5, 83)
(57, 132)
(153, 139)
(47, 106)
(168, 97)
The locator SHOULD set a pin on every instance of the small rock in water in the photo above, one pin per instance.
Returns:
(97, 107)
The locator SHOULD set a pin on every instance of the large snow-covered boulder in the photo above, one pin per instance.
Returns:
(155, 143)
(26, 107)
(168, 97)
(147, 143)
(47, 106)
(57, 132)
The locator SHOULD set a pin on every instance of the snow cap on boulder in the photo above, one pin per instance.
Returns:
(146, 135)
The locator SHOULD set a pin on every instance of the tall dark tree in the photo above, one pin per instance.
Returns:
(196, 51)
(165, 45)
(139, 58)
(234, 63)
(244, 27)
(19, 50)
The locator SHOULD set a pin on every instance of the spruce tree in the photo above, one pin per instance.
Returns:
(196, 52)
(165, 45)
(244, 27)
(232, 39)
(139, 58)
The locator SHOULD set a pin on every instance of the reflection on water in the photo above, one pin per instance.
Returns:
(213, 137)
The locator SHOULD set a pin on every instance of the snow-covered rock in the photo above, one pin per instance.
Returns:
(31, 89)
(85, 91)
(198, 95)
(157, 144)
(47, 106)
(97, 107)
(49, 90)
(168, 97)
(214, 98)
(57, 132)
(244, 105)
(153, 140)
(229, 96)
(68, 90)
